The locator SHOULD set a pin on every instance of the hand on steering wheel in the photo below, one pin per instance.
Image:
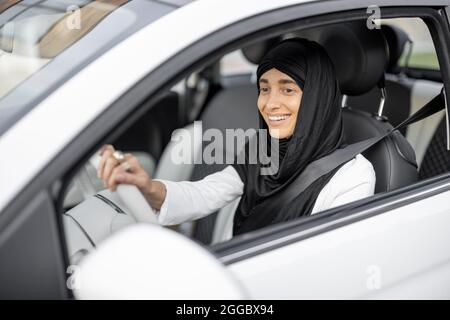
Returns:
(116, 168)
(124, 173)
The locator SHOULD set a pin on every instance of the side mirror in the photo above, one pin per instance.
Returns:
(146, 261)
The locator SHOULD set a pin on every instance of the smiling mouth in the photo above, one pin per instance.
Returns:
(278, 119)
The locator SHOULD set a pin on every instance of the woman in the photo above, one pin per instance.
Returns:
(299, 104)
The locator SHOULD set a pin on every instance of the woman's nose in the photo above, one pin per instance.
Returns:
(273, 101)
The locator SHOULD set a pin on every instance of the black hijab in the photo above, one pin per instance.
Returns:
(318, 132)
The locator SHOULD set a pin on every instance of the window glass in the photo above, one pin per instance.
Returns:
(423, 53)
(41, 31)
(235, 63)
(43, 43)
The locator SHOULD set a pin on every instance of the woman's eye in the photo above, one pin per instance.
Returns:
(289, 90)
(264, 90)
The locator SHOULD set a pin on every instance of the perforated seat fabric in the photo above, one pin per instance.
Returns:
(437, 157)
(419, 134)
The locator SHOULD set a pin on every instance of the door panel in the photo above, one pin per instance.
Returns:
(402, 253)
(31, 256)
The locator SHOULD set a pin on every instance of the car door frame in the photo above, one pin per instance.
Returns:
(257, 243)
(62, 168)
(238, 249)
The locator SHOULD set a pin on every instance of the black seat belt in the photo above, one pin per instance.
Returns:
(324, 165)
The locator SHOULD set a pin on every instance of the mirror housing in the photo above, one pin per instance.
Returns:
(146, 261)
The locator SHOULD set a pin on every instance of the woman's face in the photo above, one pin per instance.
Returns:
(279, 102)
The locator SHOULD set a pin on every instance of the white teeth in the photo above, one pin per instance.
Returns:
(278, 118)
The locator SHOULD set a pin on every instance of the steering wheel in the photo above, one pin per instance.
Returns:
(102, 213)
(133, 199)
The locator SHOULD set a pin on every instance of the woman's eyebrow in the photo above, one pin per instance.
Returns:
(281, 81)
(286, 81)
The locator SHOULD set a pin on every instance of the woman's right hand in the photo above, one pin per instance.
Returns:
(129, 171)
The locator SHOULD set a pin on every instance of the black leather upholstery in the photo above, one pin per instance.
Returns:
(398, 88)
(396, 39)
(398, 103)
(360, 57)
(393, 158)
(153, 131)
(256, 51)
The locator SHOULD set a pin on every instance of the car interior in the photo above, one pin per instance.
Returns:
(381, 85)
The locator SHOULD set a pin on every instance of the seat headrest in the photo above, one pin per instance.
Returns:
(256, 51)
(359, 55)
(396, 40)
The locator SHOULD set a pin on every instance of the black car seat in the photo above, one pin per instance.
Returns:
(398, 87)
(405, 95)
(232, 108)
(360, 58)
(154, 129)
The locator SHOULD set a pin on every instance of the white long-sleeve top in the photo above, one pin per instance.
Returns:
(187, 200)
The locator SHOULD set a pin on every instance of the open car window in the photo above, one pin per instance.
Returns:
(420, 51)
(150, 137)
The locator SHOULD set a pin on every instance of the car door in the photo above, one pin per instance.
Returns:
(391, 248)
(32, 252)
(395, 250)
(388, 249)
